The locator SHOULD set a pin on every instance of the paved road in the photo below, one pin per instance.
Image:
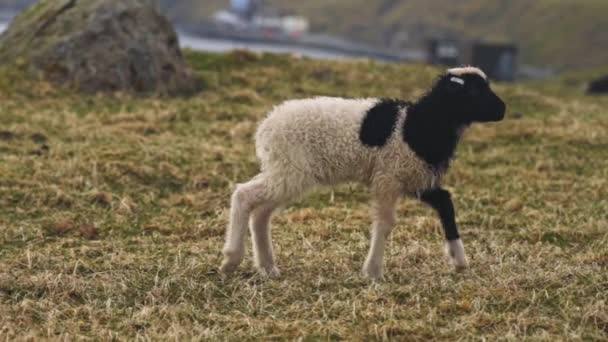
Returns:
(221, 45)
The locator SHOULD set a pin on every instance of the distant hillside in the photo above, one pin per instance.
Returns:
(559, 33)
(14, 4)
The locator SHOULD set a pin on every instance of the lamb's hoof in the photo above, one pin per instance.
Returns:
(373, 273)
(269, 272)
(456, 255)
(232, 260)
(461, 268)
(228, 267)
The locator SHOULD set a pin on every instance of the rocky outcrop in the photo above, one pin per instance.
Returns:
(99, 46)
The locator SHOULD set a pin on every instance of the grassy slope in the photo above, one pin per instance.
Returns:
(550, 32)
(112, 212)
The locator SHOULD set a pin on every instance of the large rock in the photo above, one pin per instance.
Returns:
(99, 45)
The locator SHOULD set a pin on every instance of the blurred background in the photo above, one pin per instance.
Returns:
(511, 39)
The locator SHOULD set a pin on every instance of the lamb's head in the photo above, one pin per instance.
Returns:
(466, 92)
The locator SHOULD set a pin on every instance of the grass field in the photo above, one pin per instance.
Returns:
(113, 209)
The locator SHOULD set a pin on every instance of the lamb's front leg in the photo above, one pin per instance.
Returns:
(441, 201)
(384, 221)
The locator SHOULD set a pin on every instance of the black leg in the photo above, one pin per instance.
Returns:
(441, 201)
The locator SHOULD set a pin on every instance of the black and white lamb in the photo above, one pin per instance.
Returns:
(395, 147)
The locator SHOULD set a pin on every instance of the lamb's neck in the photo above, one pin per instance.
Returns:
(431, 133)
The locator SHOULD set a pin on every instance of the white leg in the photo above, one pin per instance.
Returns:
(384, 221)
(455, 252)
(262, 242)
(244, 199)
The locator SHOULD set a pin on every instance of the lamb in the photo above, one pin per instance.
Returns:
(394, 147)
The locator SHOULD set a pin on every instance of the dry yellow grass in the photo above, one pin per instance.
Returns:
(112, 214)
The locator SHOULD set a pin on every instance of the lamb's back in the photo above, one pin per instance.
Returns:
(318, 135)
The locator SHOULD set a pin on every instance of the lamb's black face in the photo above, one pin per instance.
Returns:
(472, 93)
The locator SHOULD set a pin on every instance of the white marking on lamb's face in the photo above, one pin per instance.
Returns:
(457, 80)
(467, 70)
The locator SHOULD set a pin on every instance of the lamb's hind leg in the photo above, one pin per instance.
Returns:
(384, 221)
(261, 239)
(282, 189)
(244, 200)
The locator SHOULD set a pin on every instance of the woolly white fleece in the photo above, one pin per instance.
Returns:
(310, 142)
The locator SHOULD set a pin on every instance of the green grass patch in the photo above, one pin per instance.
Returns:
(113, 209)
